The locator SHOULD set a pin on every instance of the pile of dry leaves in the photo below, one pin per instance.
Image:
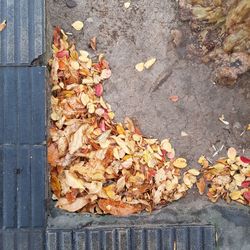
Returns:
(228, 179)
(97, 165)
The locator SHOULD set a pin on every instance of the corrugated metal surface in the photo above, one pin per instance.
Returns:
(22, 147)
(22, 239)
(146, 238)
(23, 38)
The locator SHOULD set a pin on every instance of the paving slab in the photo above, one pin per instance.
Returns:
(22, 147)
(23, 40)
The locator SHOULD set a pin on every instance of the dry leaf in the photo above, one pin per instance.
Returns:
(235, 195)
(139, 67)
(77, 25)
(201, 185)
(194, 172)
(231, 153)
(174, 98)
(126, 5)
(72, 180)
(78, 204)
(149, 63)
(76, 141)
(53, 155)
(118, 208)
(222, 119)
(93, 43)
(3, 25)
(183, 134)
(180, 163)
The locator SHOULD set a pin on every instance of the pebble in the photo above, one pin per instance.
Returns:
(71, 3)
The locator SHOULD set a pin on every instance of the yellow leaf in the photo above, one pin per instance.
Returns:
(180, 163)
(110, 191)
(148, 64)
(120, 129)
(139, 67)
(77, 25)
(235, 195)
(137, 137)
(194, 172)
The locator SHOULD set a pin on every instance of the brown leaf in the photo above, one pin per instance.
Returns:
(174, 98)
(201, 184)
(93, 43)
(53, 154)
(118, 208)
(55, 184)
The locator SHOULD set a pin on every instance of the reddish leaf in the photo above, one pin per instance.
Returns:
(98, 89)
(102, 126)
(57, 36)
(71, 196)
(245, 159)
(247, 196)
(245, 184)
(62, 53)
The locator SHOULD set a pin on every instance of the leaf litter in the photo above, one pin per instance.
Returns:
(227, 179)
(98, 165)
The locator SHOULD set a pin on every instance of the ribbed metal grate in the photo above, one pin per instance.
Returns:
(136, 238)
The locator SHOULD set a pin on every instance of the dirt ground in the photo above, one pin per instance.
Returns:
(129, 36)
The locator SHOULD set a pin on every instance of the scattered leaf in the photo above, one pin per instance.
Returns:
(183, 134)
(93, 43)
(126, 5)
(3, 25)
(201, 185)
(222, 119)
(174, 98)
(149, 63)
(139, 67)
(77, 25)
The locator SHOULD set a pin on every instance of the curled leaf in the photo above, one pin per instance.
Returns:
(78, 204)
